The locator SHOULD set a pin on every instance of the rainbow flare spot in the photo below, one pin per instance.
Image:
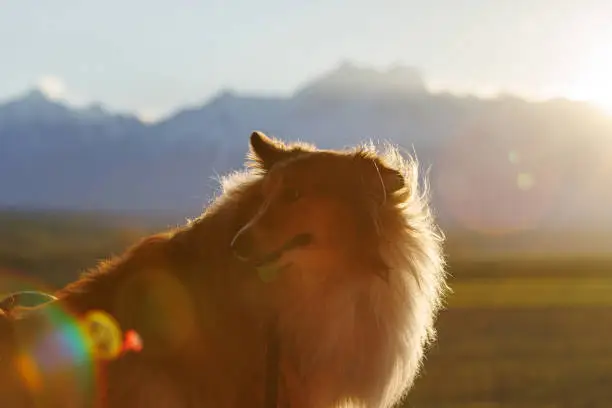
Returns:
(55, 358)
(132, 341)
(60, 353)
(104, 335)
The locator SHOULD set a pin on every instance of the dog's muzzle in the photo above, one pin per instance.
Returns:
(243, 247)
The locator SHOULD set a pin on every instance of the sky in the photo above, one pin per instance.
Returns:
(152, 57)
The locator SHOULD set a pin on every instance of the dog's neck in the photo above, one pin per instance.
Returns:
(319, 277)
(330, 323)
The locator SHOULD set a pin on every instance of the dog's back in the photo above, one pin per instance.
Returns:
(201, 315)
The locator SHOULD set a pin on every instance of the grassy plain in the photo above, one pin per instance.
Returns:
(517, 332)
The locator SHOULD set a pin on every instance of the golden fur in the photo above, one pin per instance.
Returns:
(356, 305)
(360, 278)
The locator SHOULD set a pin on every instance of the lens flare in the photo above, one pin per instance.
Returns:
(132, 342)
(54, 356)
(60, 352)
(28, 370)
(12, 281)
(104, 335)
(497, 181)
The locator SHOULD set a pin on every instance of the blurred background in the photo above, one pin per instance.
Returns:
(116, 118)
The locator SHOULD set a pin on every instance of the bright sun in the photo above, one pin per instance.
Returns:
(594, 82)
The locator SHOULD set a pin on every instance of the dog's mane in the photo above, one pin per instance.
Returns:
(411, 245)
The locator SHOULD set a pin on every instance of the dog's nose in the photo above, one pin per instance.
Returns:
(242, 246)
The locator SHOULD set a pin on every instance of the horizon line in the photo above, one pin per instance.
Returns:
(429, 87)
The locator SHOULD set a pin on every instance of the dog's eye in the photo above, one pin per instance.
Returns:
(291, 194)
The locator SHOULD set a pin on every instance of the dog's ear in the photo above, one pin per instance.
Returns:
(381, 181)
(389, 179)
(392, 179)
(264, 151)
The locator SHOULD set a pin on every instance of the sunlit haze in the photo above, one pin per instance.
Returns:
(152, 57)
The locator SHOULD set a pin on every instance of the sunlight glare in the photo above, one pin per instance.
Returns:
(594, 82)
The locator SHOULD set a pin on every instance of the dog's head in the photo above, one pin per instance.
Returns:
(318, 206)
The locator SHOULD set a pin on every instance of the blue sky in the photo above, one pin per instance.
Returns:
(152, 56)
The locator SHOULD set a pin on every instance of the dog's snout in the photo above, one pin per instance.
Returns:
(242, 245)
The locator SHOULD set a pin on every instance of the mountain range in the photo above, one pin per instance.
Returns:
(493, 164)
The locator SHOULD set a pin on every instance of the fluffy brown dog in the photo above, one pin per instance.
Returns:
(361, 271)
(353, 274)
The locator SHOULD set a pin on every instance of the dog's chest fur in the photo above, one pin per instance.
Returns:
(339, 343)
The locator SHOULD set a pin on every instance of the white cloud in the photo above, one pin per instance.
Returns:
(52, 86)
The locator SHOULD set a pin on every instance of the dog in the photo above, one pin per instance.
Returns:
(359, 265)
(338, 251)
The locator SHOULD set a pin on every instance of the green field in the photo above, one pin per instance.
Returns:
(517, 332)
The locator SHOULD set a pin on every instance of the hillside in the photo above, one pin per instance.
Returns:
(496, 165)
